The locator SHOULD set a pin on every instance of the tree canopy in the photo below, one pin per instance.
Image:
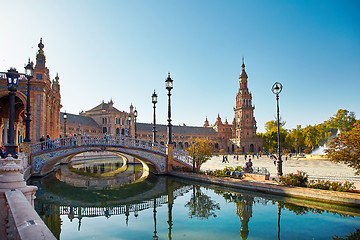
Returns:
(345, 148)
(201, 150)
(342, 120)
(309, 138)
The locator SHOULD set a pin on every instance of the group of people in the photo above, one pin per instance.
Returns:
(248, 164)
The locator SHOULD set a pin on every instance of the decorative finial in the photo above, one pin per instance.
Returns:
(57, 77)
(243, 64)
(41, 45)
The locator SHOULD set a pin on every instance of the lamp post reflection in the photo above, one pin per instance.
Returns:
(155, 237)
(279, 214)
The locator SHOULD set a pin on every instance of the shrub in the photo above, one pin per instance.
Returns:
(222, 151)
(238, 168)
(298, 179)
(307, 151)
(238, 151)
(334, 186)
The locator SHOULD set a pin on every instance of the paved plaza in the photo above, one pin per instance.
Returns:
(316, 169)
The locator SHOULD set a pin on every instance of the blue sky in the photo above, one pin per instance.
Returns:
(123, 50)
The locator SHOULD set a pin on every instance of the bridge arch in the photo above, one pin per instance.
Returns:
(45, 156)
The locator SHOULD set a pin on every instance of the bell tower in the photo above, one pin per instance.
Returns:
(245, 123)
(45, 100)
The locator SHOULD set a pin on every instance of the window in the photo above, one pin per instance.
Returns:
(104, 130)
(40, 62)
(39, 76)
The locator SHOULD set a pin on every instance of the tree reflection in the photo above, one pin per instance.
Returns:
(201, 205)
(351, 236)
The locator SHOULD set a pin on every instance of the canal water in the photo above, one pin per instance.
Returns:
(109, 200)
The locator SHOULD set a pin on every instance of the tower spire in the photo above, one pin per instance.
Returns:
(243, 73)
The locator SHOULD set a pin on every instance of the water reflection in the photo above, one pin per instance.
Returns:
(245, 202)
(51, 207)
(101, 175)
(201, 205)
(167, 208)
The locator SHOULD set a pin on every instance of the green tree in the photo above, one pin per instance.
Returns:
(202, 150)
(311, 137)
(295, 139)
(270, 136)
(345, 148)
(343, 120)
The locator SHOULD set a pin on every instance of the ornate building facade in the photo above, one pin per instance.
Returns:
(45, 103)
(239, 137)
(244, 124)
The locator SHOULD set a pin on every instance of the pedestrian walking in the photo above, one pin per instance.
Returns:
(274, 159)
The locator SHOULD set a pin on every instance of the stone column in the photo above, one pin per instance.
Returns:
(5, 131)
(11, 177)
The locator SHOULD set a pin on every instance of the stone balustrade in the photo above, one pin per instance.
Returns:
(18, 219)
(23, 220)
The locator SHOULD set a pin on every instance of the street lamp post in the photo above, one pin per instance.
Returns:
(135, 116)
(154, 101)
(128, 134)
(29, 70)
(276, 89)
(65, 119)
(169, 86)
(12, 80)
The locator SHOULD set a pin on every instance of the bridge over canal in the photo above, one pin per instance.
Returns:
(45, 156)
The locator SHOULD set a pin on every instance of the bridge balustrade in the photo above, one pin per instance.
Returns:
(114, 141)
(106, 141)
(118, 210)
(183, 156)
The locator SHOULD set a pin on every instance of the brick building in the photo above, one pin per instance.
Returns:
(45, 103)
(240, 136)
(45, 100)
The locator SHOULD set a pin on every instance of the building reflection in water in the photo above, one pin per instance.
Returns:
(106, 174)
(244, 211)
(162, 190)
